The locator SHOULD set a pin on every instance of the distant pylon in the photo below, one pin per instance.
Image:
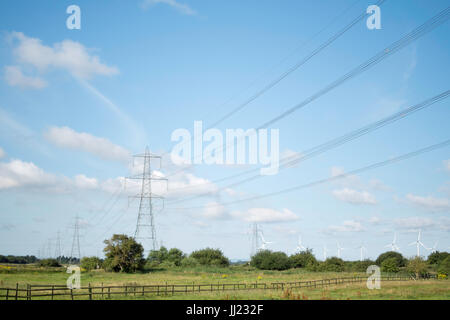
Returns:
(255, 238)
(145, 224)
(76, 241)
(58, 247)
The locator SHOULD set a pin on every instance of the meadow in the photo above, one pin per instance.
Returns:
(420, 289)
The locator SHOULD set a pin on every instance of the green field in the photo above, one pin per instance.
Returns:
(420, 289)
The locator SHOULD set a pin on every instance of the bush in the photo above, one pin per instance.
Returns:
(437, 257)
(444, 266)
(49, 263)
(302, 259)
(268, 260)
(90, 263)
(123, 254)
(333, 264)
(210, 257)
(417, 266)
(188, 262)
(361, 266)
(390, 265)
(401, 261)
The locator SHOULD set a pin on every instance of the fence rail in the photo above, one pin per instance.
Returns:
(102, 292)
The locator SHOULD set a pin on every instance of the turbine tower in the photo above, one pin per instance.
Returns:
(325, 251)
(418, 243)
(393, 244)
(339, 250)
(362, 249)
(145, 224)
(433, 249)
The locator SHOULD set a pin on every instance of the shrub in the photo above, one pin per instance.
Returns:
(210, 257)
(361, 266)
(189, 262)
(333, 264)
(302, 259)
(268, 260)
(401, 261)
(437, 257)
(390, 265)
(90, 263)
(417, 266)
(49, 263)
(444, 266)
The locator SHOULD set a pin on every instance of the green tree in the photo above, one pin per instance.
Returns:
(91, 263)
(401, 261)
(268, 260)
(123, 254)
(210, 257)
(156, 257)
(302, 259)
(49, 263)
(444, 266)
(333, 264)
(418, 266)
(437, 257)
(390, 265)
(175, 256)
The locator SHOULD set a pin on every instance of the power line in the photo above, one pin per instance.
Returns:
(326, 180)
(290, 161)
(293, 68)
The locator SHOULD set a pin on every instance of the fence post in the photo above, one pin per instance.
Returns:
(102, 290)
(7, 293)
(28, 292)
(90, 291)
(109, 292)
(71, 293)
(126, 290)
(173, 289)
(17, 289)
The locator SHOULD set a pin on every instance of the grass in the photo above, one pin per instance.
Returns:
(423, 289)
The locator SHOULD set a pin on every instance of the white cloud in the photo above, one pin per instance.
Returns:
(18, 173)
(429, 203)
(214, 210)
(414, 223)
(354, 196)
(2, 153)
(347, 226)
(265, 215)
(83, 182)
(374, 220)
(447, 165)
(15, 77)
(180, 7)
(67, 55)
(66, 137)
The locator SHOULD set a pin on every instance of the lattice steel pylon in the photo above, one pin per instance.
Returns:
(255, 239)
(76, 241)
(145, 224)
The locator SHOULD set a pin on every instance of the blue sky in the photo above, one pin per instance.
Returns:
(76, 104)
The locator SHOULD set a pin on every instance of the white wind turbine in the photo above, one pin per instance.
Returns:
(300, 246)
(264, 242)
(418, 243)
(433, 248)
(339, 250)
(362, 249)
(325, 251)
(393, 244)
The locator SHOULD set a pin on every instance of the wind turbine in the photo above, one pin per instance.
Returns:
(264, 242)
(325, 251)
(418, 243)
(393, 244)
(339, 249)
(300, 246)
(362, 249)
(433, 248)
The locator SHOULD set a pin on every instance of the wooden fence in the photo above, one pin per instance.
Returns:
(53, 292)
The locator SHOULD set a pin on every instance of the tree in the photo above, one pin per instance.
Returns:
(123, 254)
(175, 256)
(49, 263)
(401, 261)
(333, 264)
(444, 266)
(437, 257)
(390, 265)
(268, 260)
(156, 257)
(418, 266)
(90, 263)
(211, 257)
(302, 259)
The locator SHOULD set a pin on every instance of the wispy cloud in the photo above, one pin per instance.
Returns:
(180, 7)
(429, 202)
(15, 77)
(346, 226)
(354, 196)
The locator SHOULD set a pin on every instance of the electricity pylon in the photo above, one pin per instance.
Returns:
(76, 241)
(255, 238)
(145, 224)
(58, 247)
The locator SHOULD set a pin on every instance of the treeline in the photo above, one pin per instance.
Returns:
(391, 262)
(18, 259)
